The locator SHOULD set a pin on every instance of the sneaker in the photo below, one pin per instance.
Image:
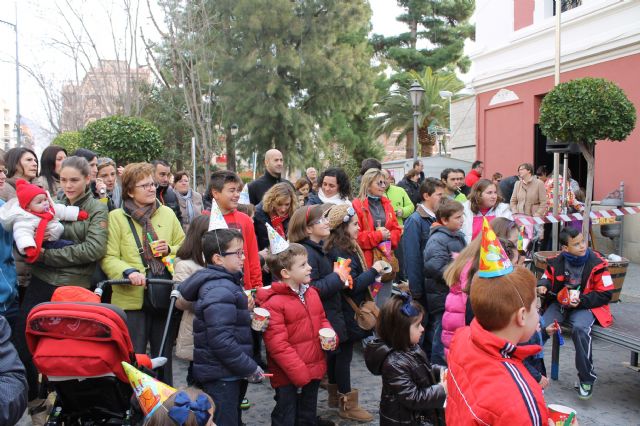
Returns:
(585, 391)
(245, 404)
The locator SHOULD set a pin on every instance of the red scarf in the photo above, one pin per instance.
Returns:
(278, 224)
(45, 218)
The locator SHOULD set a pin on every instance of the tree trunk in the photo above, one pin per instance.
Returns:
(231, 153)
(588, 151)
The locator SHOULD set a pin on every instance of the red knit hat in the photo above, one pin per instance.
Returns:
(26, 192)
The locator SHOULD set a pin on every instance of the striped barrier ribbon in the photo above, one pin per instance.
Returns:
(597, 216)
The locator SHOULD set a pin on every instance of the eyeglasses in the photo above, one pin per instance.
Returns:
(4, 170)
(323, 219)
(381, 183)
(147, 186)
(239, 253)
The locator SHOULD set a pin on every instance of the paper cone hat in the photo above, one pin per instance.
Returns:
(494, 262)
(277, 244)
(216, 220)
(151, 393)
(244, 196)
(385, 247)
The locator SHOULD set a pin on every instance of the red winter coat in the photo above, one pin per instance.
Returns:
(294, 354)
(368, 237)
(252, 270)
(488, 383)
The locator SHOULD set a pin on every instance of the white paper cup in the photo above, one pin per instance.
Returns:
(386, 267)
(260, 320)
(327, 339)
(574, 295)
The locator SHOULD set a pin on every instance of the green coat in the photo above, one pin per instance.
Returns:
(74, 265)
(400, 201)
(122, 252)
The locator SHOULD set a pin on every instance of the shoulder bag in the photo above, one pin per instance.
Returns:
(366, 314)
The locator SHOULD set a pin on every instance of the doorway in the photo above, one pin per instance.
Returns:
(577, 163)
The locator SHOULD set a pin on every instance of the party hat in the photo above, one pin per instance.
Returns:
(168, 262)
(151, 393)
(494, 262)
(385, 248)
(216, 220)
(244, 196)
(521, 239)
(276, 242)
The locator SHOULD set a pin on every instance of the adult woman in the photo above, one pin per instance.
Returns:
(96, 185)
(21, 163)
(152, 222)
(70, 265)
(484, 201)
(529, 196)
(190, 201)
(107, 174)
(276, 208)
(303, 188)
(410, 184)
(376, 217)
(50, 163)
(334, 188)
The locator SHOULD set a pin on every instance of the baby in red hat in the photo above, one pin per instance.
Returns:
(32, 215)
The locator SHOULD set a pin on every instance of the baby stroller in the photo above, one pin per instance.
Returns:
(79, 346)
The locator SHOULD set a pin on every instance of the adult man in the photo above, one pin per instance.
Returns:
(312, 175)
(475, 174)
(418, 166)
(274, 165)
(164, 192)
(453, 180)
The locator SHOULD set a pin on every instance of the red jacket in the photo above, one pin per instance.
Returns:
(252, 270)
(472, 178)
(596, 285)
(488, 384)
(368, 237)
(294, 354)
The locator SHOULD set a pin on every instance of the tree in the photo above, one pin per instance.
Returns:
(124, 139)
(585, 111)
(395, 112)
(443, 26)
(70, 141)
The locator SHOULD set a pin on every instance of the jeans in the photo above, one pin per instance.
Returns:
(437, 348)
(581, 321)
(227, 396)
(145, 327)
(296, 407)
(339, 366)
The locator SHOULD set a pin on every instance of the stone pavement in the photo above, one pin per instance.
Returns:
(615, 401)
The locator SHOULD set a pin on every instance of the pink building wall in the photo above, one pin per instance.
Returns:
(522, 13)
(505, 132)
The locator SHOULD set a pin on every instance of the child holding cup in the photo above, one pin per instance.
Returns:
(293, 337)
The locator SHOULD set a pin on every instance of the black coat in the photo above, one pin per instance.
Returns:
(411, 393)
(260, 186)
(169, 198)
(221, 327)
(362, 279)
(328, 285)
(13, 382)
(442, 243)
(506, 187)
(412, 189)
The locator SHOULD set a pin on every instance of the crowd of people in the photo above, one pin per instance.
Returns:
(404, 269)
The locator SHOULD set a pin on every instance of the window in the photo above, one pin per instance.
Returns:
(566, 5)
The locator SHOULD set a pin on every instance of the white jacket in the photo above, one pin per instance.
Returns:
(24, 224)
(500, 210)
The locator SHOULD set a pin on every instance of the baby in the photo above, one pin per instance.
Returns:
(35, 220)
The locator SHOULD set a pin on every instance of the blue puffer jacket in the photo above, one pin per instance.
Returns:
(8, 281)
(221, 327)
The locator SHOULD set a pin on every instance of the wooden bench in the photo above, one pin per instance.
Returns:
(624, 332)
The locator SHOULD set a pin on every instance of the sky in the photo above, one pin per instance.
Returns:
(42, 28)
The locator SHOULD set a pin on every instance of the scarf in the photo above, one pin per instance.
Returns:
(278, 224)
(576, 261)
(45, 218)
(334, 199)
(142, 215)
(188, 199)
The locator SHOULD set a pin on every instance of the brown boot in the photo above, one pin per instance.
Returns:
(349, 408)
(333, 395)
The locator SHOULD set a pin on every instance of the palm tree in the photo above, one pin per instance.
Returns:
(395, 112)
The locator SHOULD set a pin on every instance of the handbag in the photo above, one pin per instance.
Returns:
(157, 297)
(366, 315)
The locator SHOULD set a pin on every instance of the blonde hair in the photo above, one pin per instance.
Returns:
(367, 179)
(471, 253)
(278, 194)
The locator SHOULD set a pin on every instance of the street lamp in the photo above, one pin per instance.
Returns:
(15, 28)
(234, 129)
(446, 94)
(415, 93)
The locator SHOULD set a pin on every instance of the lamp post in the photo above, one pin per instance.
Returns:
(415, 93)
(18, 130)
(445, 94)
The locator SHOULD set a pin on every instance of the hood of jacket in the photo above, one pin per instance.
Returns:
(191, 286)
(440, 228)
(376, 353)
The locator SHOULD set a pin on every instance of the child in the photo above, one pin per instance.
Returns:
(413, 390)
(445, 242)
(487, 381)
(583, 272)
(225, 188)
(34, 217)
(188, 407)
(222, 361)
(294, 354)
